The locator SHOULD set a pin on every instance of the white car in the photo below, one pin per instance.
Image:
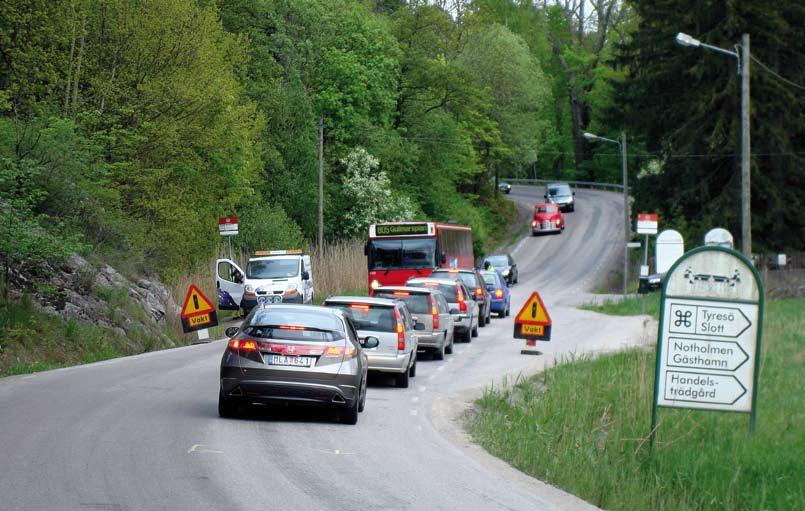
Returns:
(272, 276)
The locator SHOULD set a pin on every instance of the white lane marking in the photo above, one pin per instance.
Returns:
(415, 399)
(198, 448)
(422, 388)
(414, 412)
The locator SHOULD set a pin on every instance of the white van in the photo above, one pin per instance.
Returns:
(271, 276)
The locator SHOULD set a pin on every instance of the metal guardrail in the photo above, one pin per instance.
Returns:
(577, 184)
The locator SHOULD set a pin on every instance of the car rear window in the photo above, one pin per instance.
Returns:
(489, 278)
(417, 303)
(469, 279)
(378, 318)
(301, 316)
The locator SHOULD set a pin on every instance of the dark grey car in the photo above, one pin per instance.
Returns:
(503, 263)
(299, 354)
(561, 194)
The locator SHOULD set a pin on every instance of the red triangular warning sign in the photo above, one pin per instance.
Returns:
(533, 312)
(196, 303)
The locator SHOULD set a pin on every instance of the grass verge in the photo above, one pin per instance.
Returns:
(629, 306)
(583, 426)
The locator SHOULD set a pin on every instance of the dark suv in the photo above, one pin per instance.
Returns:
(505, 265)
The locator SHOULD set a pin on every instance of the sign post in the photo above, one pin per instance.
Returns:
(646, 224)
(710, 329)
(228, 226)
(198, 313)
(533, 323)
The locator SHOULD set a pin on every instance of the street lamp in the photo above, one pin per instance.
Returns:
(743, 70)
(626, 215)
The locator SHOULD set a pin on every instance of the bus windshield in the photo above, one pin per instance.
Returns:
(406, 253)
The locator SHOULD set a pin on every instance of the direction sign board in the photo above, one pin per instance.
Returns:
(533, 321)
(709, 333)
(197, 311)
(720, 237)
(670, 247)
(647, 223)
(228, 226)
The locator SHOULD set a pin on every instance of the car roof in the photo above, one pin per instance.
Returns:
(499, 254)
(558, 183)
(367, 300)
(453, 270)
(410, 289)
(446, 282)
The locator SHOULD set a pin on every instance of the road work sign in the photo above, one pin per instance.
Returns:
(709, 333)
(533, 321)
(197, 312)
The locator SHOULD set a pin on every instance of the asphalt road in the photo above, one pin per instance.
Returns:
(143, 433)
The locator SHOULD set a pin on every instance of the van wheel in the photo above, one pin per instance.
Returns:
(403, 379)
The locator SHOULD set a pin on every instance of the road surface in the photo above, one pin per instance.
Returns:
(143, 433)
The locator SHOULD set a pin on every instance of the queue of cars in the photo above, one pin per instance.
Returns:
(321, 355)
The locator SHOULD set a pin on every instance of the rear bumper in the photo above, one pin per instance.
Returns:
(271, 391)
(462, 322)
(389, 363)
(431, 340)
(498, 305)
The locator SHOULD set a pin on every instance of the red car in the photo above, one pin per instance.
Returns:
(547, 218)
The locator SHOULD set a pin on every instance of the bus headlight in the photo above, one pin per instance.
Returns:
(375, 284)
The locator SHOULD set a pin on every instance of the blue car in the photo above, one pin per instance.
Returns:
(496, 285)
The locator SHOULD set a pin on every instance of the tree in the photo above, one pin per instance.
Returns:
(686, 104)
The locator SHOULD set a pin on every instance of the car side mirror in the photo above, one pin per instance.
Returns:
(305, 275)
(231, 331)
(419, 326)
(454, 311)
(370, 342)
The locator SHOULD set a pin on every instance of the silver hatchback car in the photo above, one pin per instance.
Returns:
(429, 307)
(389, 321)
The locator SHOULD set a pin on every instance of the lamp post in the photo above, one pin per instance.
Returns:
(626, 215)
(742, 55)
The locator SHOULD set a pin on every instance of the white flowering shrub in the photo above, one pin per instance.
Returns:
(371, 196)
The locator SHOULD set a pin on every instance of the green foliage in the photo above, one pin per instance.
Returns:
(583, 425)
(697, 130)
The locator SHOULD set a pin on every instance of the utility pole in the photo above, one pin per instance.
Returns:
(746, 151)
(626, 214)
(321, 183)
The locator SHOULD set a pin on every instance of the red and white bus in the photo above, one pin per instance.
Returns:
(397, 251)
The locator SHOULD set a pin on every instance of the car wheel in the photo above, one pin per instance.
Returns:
(449, 348)
(502, 314)
(438, 353)
(226, 408)
(475, 331)
(350, 415)
(481, 321)
(362, 402)
(509, 309)
(412, 369)
(403, 379)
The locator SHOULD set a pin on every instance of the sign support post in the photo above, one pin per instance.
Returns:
(709, 335)
(228, 226)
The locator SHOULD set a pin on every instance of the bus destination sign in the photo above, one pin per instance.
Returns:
(402, 230)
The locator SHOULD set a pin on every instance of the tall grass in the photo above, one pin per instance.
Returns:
(584, 425)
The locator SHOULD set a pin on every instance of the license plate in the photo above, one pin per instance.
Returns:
(283, 360)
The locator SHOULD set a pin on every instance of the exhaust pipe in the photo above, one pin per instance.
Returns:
(338, 399)
(236, 392)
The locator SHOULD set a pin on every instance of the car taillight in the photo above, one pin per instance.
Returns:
(479, 291)
(338, 351)
(462, 304)
(498, 293)
(243, 345)
(400, 331)
(434, 312)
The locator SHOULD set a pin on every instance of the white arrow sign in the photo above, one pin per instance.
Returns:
(707, 320)
(714, 389)
(705, 354)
